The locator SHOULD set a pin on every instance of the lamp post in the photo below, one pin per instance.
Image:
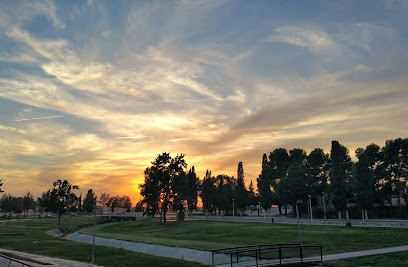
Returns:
(299, 202)
(93, 240)
(324, 209)
(233, 207)
(310, 207)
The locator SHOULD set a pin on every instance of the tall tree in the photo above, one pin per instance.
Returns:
(339, 175)
(113, 202)
(278, 164)
(6, 203)
(193, 184)
(396, 168)
(126, 203)
(89, 201)
(264, 184)
(103, 199)
(364, 178)
(157, 189)
(318, 169)
(60, 199)
(240, 190)
(252, 198)
(296, 177)
(1, 184)
(208, 193)
(28, 202)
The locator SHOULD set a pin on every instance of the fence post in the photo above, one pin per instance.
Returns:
(280, 255)
(212, 258)
(301, 253)
(231, 258)
(321, 255)
(256, 257)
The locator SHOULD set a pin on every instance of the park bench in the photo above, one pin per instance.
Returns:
(268, 255)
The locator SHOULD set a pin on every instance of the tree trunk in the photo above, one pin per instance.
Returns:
(280, 210)
(339, 212)
(164, 217)
(286, 210)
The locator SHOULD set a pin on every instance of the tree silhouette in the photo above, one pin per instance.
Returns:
(339, 175)
(264, 184)
(60, 199)
(240, 190)
(103, 199)
(158, 190)
(1, 184)
(89, 201)
(28, 202)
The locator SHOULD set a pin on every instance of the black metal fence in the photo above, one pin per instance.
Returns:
(270, 255)
(6, 261)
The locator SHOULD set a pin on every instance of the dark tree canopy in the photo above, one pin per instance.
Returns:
(89, 201)
(240, 191)
(28, 202)
(60, 199)
(340, 170)
(1, 184)
(161, 183)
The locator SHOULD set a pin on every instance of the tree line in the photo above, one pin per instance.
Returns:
(372, 182)
(60, 199)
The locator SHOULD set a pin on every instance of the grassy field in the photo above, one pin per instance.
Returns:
(38, 242)
(208, 235)
(391, 259)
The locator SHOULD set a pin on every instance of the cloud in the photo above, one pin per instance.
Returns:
(40, 118)
(305, 36)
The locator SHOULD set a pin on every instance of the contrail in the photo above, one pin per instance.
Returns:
(41, 118)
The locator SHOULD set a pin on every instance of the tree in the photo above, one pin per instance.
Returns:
(1, 184)
(193, 183)
(318, 171)
(113, 202)
(157, 190)
(340, 171)
(6, 203)
(278, 165)
(28, 202)
(264, 184)
(296, 177)
(252, 197)
(89, 201)
(240, 190)
(103, 199)
(60, 199)
(125, 203)
(208, 193)
(396, 168)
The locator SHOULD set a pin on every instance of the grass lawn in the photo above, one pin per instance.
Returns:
(38, 242)
(390, 259)
(208, 235)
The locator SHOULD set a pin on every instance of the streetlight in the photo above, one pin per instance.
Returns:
(93, 241)
(299, 202)
(310, 205)
(233, 208)
(324, 209)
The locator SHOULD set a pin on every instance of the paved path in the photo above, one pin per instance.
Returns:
(187, 254)
(48, 261)
(204, 257)
(364, 253)
(285, 220)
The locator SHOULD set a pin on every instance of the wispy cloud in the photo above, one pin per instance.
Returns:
(40, 118)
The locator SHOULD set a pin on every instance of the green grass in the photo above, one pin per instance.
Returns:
(38, 242)
(208, 235)
(390, 259)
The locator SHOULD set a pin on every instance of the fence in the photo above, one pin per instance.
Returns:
(6, 261)
(270, 255)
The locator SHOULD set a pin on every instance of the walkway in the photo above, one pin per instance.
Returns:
(187, 254)
(46, 261)
(204, 257)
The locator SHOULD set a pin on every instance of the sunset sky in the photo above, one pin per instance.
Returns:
(92, 91)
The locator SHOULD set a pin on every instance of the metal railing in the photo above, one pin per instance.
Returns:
(271, 255)
(13, 262)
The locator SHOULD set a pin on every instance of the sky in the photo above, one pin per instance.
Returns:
(92, 91)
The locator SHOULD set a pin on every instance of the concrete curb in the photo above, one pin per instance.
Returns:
(187, 254)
